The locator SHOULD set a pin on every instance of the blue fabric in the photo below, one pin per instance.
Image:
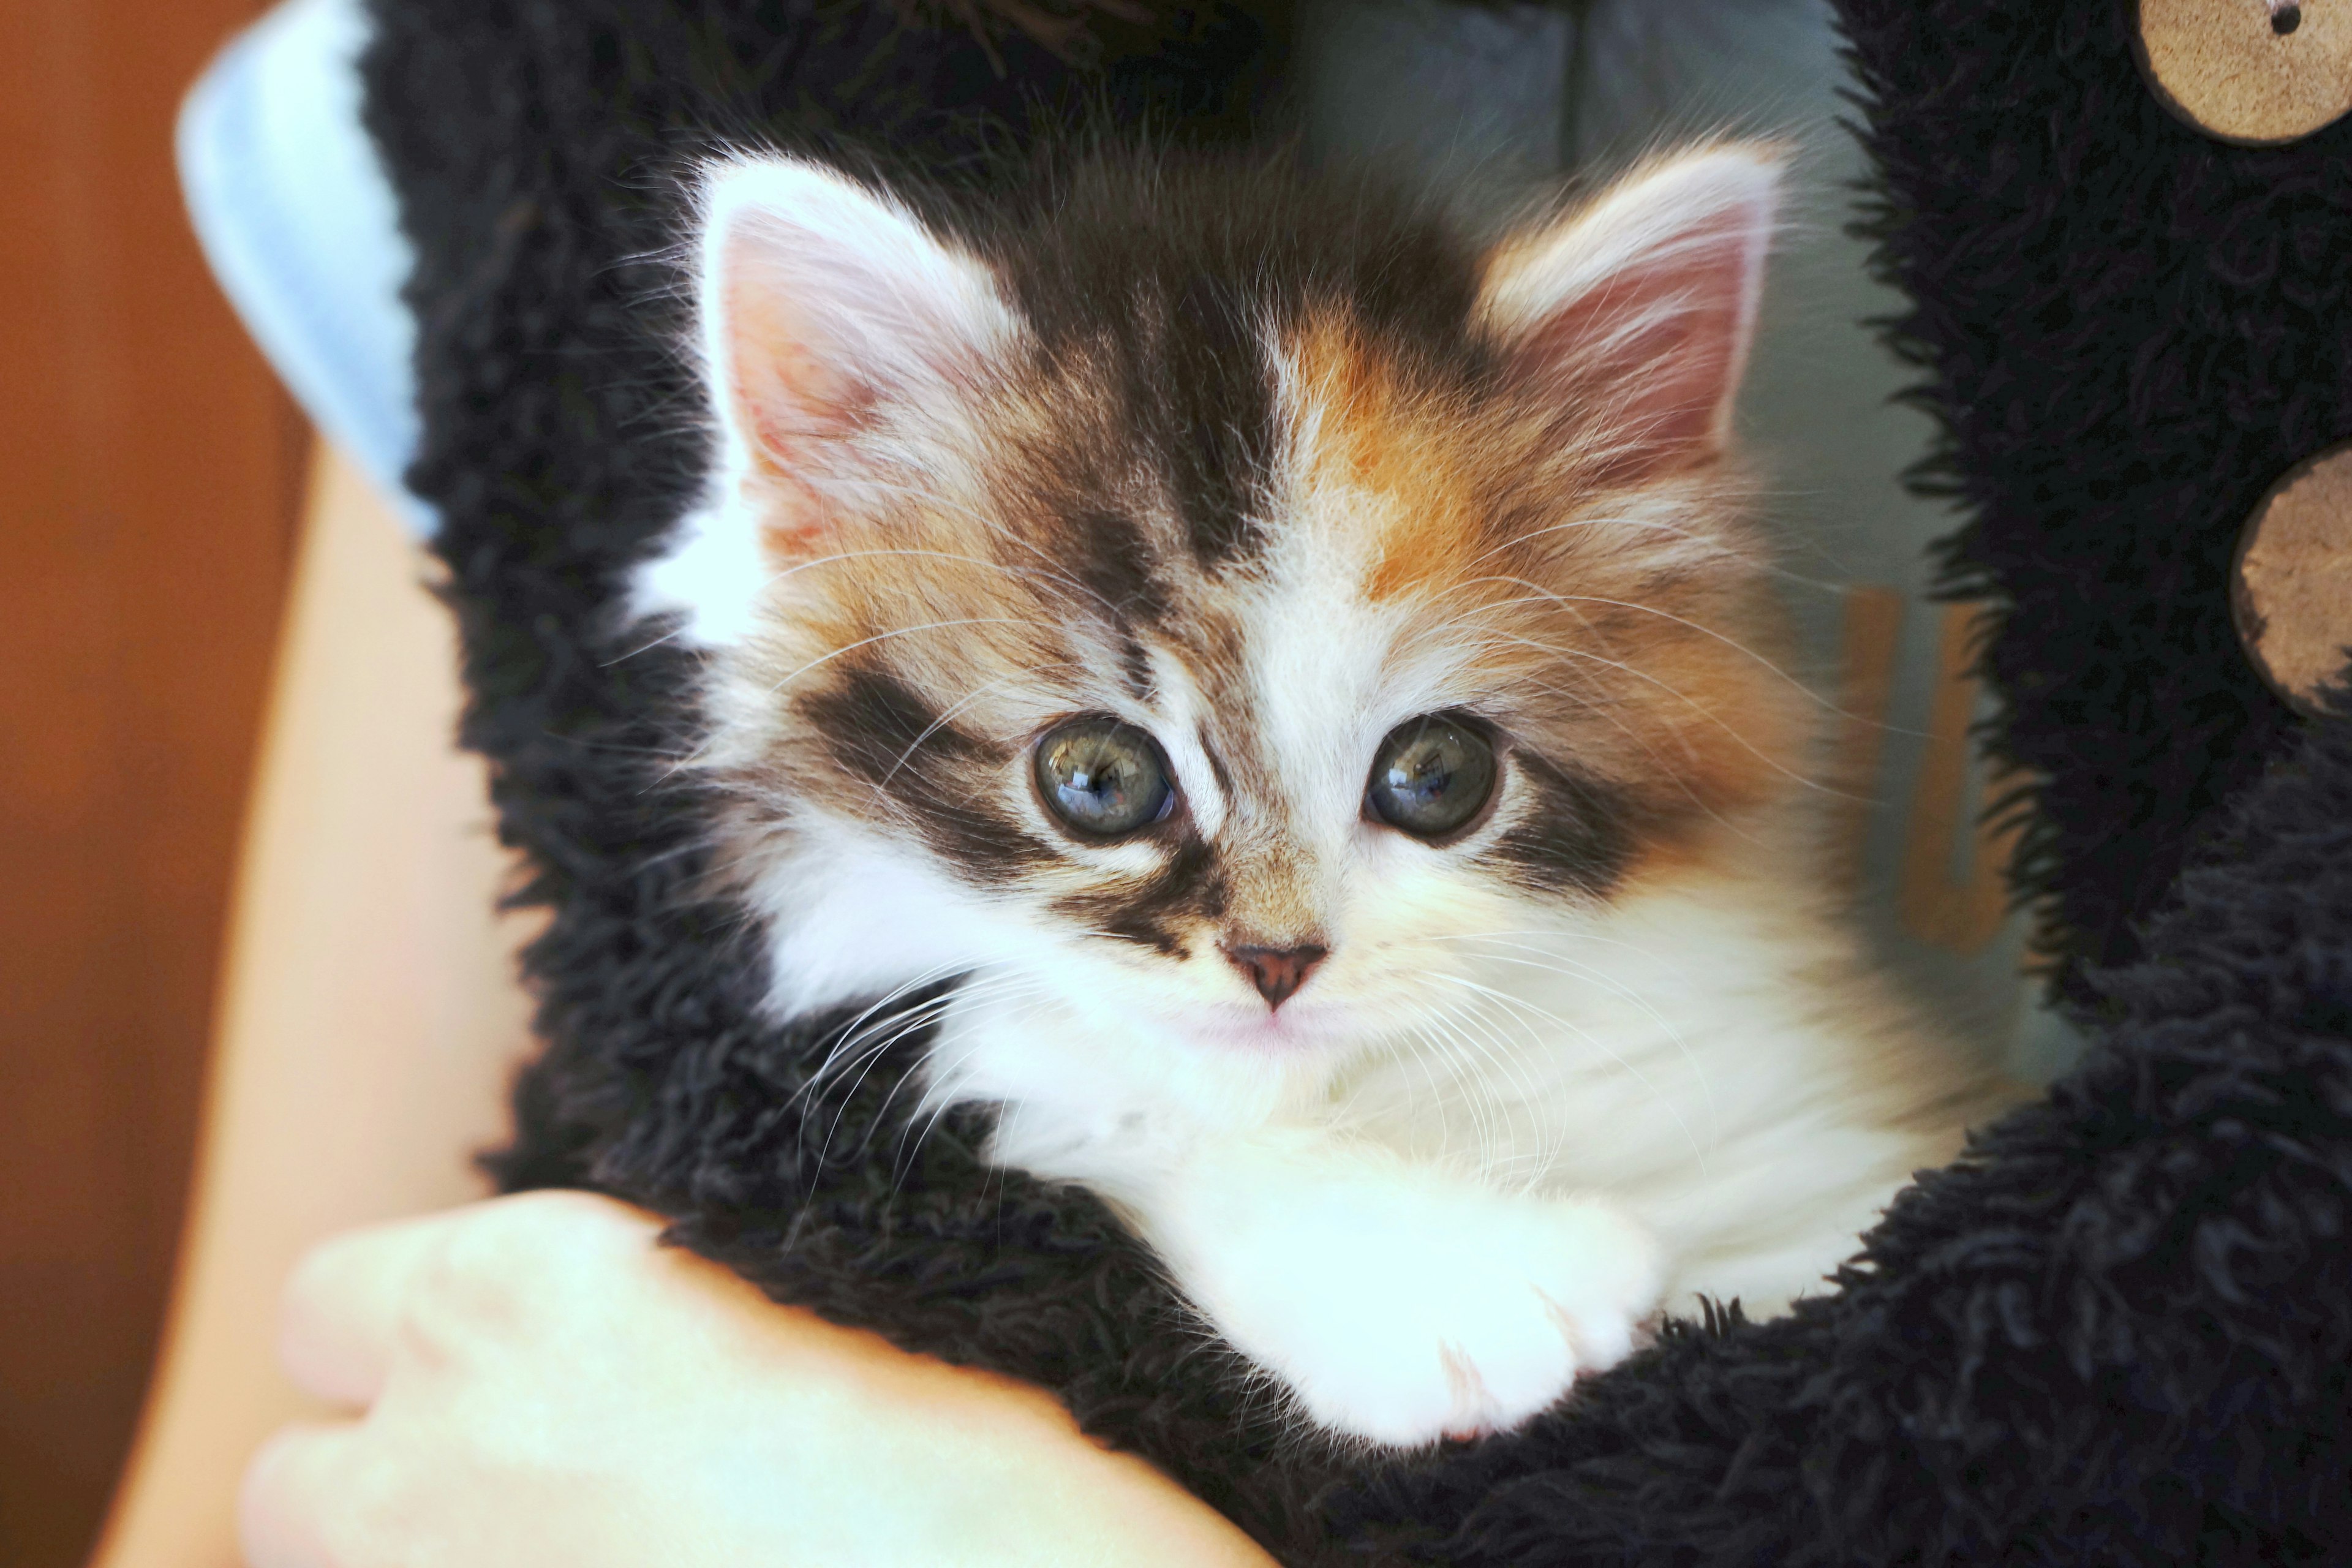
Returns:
(296, 217)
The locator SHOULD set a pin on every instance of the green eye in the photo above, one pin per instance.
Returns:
(1103, 778)
(1431, 775)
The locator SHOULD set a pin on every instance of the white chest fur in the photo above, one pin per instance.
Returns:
(1439, 1236)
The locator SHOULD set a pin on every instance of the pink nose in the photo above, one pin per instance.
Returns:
(1277, 972)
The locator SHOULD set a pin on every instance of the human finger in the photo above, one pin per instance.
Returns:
(301, 1493)
(340, 1316)
(428, 1289)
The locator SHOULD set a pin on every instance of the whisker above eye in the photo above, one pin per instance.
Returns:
(840, 557)
(1641, 741)
(896, 632)
(1054, 572)
(1754, 560)
(961, 704)
(1701, 708)
(1768, 666)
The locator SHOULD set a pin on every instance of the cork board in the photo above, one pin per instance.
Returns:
(2292, 590)
(2255, 72)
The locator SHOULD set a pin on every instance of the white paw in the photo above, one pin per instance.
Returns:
(1407, 1310)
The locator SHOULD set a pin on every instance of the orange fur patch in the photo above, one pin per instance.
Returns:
(1629, 650)
(1376, 432)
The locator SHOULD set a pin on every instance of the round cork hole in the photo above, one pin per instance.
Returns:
(2290, 591)
(2255, 72)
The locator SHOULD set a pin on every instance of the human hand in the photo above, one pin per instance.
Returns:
(542, 1384)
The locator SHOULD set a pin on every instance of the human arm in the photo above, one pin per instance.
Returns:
(369, 1015)
(543, 1383)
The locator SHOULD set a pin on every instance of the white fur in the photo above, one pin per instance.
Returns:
(1496, 1132)
(709, 577)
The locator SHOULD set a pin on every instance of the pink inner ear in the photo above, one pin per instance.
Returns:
(795, 383)
(1656, 347)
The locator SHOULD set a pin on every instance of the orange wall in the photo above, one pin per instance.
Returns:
(148, 477)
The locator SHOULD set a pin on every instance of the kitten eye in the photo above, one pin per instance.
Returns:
(1431, 775)
(1102, 777)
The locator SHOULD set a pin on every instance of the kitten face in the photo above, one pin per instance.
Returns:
(1270, 479)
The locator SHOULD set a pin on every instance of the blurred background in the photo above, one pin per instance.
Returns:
(150, 476)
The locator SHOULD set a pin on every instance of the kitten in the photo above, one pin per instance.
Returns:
(1312, 680)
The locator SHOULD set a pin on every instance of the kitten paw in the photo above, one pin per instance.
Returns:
(1415, 1310)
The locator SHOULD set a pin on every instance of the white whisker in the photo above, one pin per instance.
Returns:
(844, 651)
(1506, 999)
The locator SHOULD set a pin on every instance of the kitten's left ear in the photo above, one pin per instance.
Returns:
(1642, 305)
(824, 305)
(825, 308)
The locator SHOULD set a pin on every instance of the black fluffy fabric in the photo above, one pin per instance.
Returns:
(2132, 331)
(2116, 1332)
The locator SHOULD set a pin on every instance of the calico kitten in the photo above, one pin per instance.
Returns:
(1312, 680)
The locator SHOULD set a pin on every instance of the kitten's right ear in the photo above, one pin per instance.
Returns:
(1640, 307)
(821, 304)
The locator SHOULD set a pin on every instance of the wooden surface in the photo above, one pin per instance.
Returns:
(2249, 71)
(1953, 888)
(1870, 645)
(148, 475)
(2292, 592)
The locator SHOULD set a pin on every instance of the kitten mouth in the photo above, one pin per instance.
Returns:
(1295, 1027)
